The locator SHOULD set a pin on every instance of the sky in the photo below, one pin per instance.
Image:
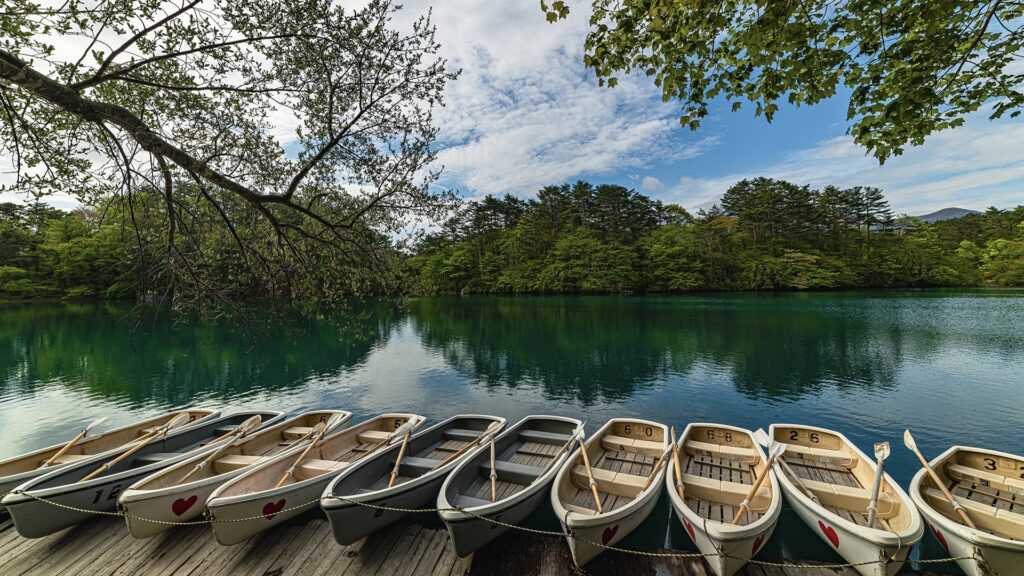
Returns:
(526, 113)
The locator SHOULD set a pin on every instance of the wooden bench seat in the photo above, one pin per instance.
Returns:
(233, 462)
(153, 458)
(730, 452)
(511, 472)
(617, 483)
(960, 472)
(67, 459)
(822, 455)
(296, 432)
(372, 436)
(464, 501)
(313, 467)
(541, 437)
(414, 467)
(462, 435)
(612, 442)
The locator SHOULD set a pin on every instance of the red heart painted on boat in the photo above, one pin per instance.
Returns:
(757, 544)
(271, 509)
(608, 534)
(829, 533)
(181, 505)
(941, 538)
(689, 529)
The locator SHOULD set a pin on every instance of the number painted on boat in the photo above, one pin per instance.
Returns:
(112, 495)
(628, 429)
(711, 434)
(323, 418)
(793, 435)
(814, 437)
(191, 417)
(728, 436)
(990, 464)
(649, 431)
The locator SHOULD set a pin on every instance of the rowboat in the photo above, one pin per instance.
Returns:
(62, 498)
(426, 459)
(628, 459)
(527, 457)
(20, 469)
(990, 487)
(257, 499)
(719, 465)
(179, 492)
(840, 477)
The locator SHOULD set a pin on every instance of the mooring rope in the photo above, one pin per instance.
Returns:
(210, 519)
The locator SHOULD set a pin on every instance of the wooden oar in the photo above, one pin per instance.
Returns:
(675, 463)
(774, 453)
(568, 443)
(881, 453)
(657, 465)
(590, 477)
(243, 429)
(172, 423)
(909, 441)
(398, 461)
(316, 434)
(257, 418)
(494, 473)
(73, 441)
(762, 438)
(486, 433)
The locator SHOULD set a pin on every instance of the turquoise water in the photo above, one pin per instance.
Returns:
(948, 364)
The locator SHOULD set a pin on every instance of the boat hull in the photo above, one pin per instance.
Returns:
(238, 518)
(39, 510)
(469, 533)
(583, 532)
(983, 553)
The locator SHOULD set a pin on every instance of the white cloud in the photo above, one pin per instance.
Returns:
(526, 113)
(651, 184)
(974, 166)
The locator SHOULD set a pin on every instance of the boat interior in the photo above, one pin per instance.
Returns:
(719, 466)
(162, 449)
(522, 454)
(623, 458)
(331, 454)
(258, 447)
(840, 479)
(425, 452)
(92, 445)
(990, 487)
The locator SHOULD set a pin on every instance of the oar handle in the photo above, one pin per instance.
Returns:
(65, 448)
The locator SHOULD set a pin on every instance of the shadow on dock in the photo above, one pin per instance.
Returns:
(103, 547)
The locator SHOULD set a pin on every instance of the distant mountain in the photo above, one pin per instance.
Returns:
(946, 214)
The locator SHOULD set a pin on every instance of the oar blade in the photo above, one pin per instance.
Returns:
(95, 423)
(777, 450)
(178, 420)
(761, 437)
(908, 440)
(250, 424)
(882, 450)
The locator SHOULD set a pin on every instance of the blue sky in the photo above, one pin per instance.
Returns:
(526, 113)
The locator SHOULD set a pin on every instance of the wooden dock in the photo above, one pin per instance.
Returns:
(103, 547)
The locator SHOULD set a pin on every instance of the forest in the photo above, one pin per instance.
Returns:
(763, 234)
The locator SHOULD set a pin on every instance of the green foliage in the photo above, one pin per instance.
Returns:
(766, 235)
(910, 67)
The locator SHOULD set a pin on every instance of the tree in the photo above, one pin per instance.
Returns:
(172, 93)
(910, 67)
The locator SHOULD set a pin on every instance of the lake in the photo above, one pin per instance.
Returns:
(948, 364)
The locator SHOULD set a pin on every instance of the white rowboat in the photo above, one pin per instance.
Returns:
(628, 460)
(841, 476)
(527, 457)
(61, 499)
(20, 469)
(990, 487)
(719, 466)
(427, 460)
(154, 503)
(252, 501)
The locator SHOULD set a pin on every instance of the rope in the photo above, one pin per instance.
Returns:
(548, 533)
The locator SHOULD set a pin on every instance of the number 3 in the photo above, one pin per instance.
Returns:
(990, 464)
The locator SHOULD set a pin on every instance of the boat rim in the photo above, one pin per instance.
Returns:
(887, 538)
(722, 531)
(577, 520)
(133, 495)
(217, 501)
(972, 535)
(19, 495)
(330, 501)
(455, 516)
